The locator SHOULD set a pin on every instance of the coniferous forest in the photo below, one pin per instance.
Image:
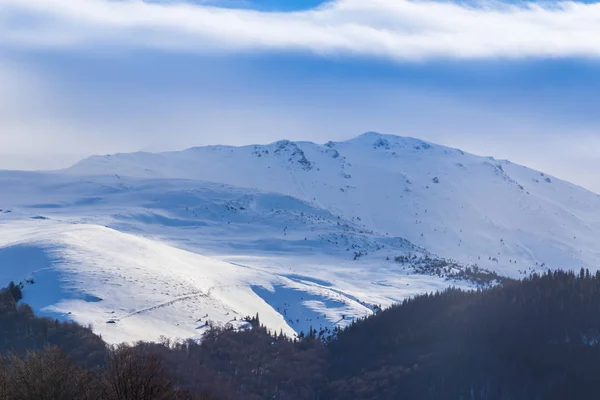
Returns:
(538, 338)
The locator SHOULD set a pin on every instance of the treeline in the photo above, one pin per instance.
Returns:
(129, 373)
(22, 331)
(534, 339)
(41, 359)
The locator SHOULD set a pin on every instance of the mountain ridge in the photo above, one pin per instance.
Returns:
(321, 233)
(339, 176)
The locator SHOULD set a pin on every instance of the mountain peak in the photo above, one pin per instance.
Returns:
(371, 135)
(381, 140)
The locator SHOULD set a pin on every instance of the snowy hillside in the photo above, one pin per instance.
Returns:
(194, 252)
(143, 245)
(473, 209)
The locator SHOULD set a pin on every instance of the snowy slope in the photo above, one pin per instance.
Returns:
(261, 253)
(132, 288)
(457, 205)
(143, 245)
(95, 275)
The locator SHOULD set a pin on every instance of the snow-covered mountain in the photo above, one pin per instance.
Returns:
(454, 204)
(142, 244)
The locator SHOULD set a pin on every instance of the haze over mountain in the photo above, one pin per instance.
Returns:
(147, 244)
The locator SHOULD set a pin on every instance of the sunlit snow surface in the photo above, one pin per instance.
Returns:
(143, 245)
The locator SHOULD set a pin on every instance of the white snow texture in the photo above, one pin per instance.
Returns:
(147, 245)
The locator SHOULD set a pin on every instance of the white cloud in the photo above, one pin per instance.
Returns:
(42, 118)
(396, 29)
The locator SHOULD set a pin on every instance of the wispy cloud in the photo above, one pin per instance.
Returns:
(393, 29)
(32, 126)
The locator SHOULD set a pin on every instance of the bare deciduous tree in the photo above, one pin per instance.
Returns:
(45, 375)
(135, 374)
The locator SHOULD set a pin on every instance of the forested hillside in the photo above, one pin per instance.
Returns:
(533, 339)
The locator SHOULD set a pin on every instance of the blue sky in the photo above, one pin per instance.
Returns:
(516, 82)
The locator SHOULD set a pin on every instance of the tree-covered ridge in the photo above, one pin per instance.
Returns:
(538, 338)
(534, 339)
(21, 331)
